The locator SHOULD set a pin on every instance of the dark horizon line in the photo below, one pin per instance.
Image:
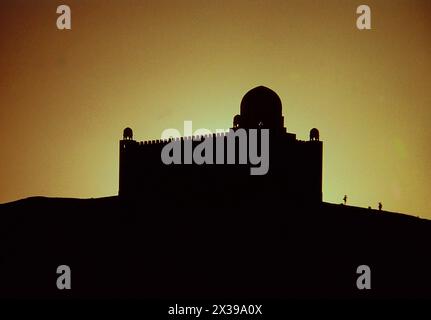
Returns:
(29, 198)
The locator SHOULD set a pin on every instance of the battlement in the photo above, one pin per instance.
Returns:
(199, 138)
(163, 142)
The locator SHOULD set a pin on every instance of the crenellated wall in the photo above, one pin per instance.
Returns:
(295, 170)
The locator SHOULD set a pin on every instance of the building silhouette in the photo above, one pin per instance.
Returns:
(295, 166)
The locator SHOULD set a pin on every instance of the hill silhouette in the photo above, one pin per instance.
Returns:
(157, 248)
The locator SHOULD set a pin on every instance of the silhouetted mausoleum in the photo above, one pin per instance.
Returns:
(294, 173)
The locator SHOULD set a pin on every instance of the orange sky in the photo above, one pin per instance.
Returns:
(65, 96)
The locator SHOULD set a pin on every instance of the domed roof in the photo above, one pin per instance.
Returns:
(314, 131)
(127, 134)
(314, 134)
(261, 107)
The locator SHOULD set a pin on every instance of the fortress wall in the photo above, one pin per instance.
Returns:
(295, 169)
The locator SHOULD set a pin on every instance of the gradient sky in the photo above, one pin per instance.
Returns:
(65, 96)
